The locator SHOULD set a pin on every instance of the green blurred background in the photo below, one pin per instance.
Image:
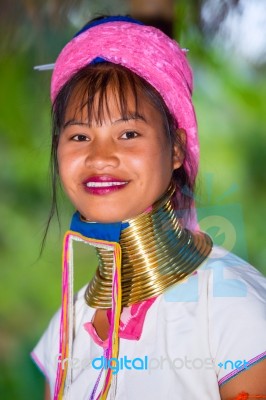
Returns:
(228, 56)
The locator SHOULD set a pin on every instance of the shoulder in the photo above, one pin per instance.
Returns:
(230, 276)
(235, 290)
(223, 277)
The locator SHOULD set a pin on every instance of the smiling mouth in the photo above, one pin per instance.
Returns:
(104, 184)
(102, 188)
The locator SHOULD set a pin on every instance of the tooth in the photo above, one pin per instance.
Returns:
(104, 184)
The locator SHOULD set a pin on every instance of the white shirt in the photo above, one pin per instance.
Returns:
(196, 336)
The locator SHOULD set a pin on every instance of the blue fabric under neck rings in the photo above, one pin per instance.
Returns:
(109, 231)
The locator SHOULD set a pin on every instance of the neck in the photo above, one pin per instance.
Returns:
(156, 253)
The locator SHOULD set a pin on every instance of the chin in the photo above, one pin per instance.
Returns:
(103, 218)
(108, 217)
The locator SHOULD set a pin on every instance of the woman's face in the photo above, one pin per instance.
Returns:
(115, 170)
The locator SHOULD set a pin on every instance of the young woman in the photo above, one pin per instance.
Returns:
(167, 315)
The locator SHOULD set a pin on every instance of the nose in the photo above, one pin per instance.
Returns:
(102, 155)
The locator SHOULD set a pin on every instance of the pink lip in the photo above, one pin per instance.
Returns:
(106, 184)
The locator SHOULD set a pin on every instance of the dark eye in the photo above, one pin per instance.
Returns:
(129, 135)
(80, 138)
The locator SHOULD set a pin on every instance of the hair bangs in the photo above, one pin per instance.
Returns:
(91, 88)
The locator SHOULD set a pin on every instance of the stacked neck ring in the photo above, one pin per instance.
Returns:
(157, 252)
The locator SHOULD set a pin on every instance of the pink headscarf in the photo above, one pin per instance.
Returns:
(149, 53)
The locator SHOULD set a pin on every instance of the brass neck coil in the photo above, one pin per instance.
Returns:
(157, 252)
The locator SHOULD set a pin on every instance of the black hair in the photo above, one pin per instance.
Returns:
(93, 81)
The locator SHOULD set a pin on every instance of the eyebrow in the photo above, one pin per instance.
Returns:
(74, 122)
(135, 117)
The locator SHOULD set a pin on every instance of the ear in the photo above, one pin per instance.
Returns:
(178, 153)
